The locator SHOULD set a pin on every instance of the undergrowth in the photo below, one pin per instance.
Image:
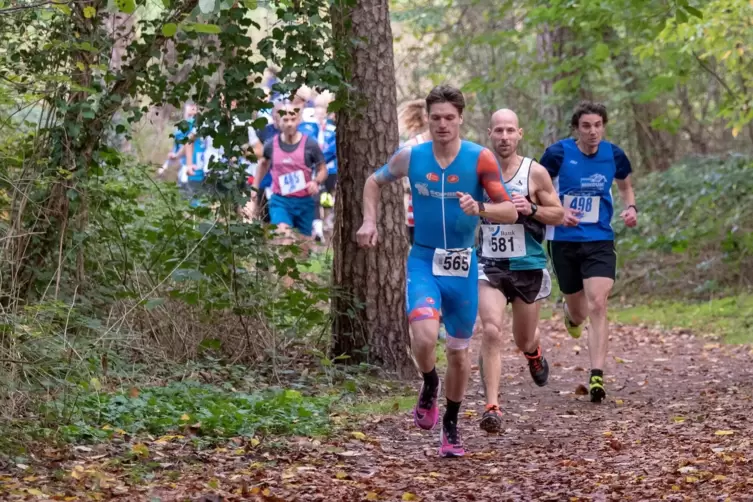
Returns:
(694, 237)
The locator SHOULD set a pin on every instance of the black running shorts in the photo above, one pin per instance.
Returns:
(575, 261)
(528, 285)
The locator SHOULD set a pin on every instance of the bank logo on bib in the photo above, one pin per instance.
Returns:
(595, 182)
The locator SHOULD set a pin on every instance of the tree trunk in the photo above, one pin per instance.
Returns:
(549, 51)
(656, 147)
(370, 321)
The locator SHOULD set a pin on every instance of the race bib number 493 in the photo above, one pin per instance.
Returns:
(586, 205)
(453, 263)
(291, 182)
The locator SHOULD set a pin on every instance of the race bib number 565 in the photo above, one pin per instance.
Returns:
(455, 263)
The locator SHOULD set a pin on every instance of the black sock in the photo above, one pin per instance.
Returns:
(597, 373)
(532, 354)
(451, 414)
(431, 379)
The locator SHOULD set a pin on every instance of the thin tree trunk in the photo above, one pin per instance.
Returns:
(548, 44)
(370, 322)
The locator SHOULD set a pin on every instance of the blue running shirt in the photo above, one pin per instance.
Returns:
(584, 183)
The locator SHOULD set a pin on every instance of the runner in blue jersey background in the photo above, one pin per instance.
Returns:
(448, 177)
(582, 249)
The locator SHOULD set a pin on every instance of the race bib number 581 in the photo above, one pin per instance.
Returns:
(456, 263)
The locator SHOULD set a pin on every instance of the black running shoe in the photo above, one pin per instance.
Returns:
(539, 367)
(596, 389)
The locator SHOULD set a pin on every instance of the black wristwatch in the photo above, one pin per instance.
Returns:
(634, 207)
(534, 208)
(481, 208)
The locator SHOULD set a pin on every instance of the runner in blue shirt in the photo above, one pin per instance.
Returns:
(448, 177)
(582, 248)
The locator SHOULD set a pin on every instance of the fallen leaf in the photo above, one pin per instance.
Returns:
(133, 392)
(34, 491)
(691, 479)
(719, 477)
(607, 433)
(619, 402)
(581, 390)
(409, 496)
(724, 433)
(140, 450)
(185, 417)
(254, 442)
(358, 435)
(341, 474)
(372, 496)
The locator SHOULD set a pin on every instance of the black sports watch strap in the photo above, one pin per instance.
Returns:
(634, 207)
(534, 208)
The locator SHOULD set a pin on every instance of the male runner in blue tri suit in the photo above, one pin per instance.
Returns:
(582, 248)
(448, 177)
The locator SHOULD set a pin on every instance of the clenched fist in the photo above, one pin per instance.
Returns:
(468, 204)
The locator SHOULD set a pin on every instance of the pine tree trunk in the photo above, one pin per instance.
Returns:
(549, 51)
(370, 322)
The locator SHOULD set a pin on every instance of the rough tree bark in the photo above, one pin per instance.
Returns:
(549, 50)
(367, 135)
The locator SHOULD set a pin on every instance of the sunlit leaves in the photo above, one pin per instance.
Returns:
(126, 6)
(169, 29)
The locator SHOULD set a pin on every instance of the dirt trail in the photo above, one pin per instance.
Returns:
(675, 426)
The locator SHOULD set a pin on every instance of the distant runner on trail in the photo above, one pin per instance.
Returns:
(297, 166)
(582, 249)
(448, 177)
(512, 263)
(415, 122)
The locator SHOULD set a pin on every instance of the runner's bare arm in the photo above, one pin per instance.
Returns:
(396, 168)
(550, 210)
(626, 191)
(261, 171)
(321, 173)
(502, 210)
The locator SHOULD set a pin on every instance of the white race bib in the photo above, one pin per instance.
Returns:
(503, 241)
(291, 182)
(454, 263)
(588, 205)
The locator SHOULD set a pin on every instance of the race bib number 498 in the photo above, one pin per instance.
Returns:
(291, 182)
(455, 263)
(586, 205)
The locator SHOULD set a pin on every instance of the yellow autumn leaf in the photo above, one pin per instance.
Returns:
(185, 417)
(89, 12)
(726, 55)
(358, 435)
(77, 472)
(34, 491)
(140, 449)
(735, 131)
(678, 420)
(409, 496)
(96, 384)
(372, 496)
(675, 488)
(266, 492)
(341, 474)
(607, 433)
(719, 477)
(691, 479)
(619, 402)
(434, 474)
(254, 442)
(724, 433)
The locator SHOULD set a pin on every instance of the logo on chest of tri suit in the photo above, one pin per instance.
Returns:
(432, 176)
(453, 178)
(594, 182)
(423, 189)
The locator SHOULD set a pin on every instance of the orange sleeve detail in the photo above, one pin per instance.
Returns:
(490, 176)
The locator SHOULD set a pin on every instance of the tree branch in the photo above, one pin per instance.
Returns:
(714, 74)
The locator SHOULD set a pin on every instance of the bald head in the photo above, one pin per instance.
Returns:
(504, 115)
(505, 133)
